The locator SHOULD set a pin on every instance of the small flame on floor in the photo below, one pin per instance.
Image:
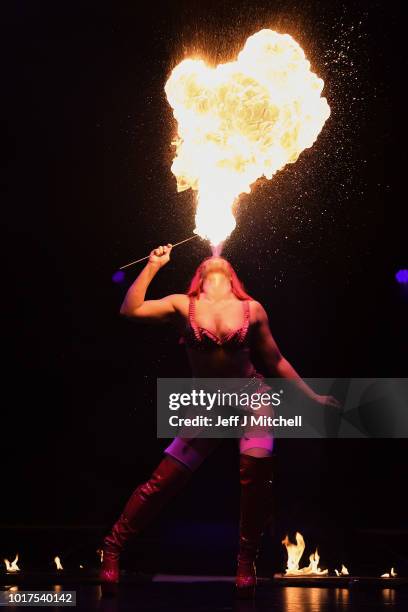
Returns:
(343, 572)
(392, 574)
(295, 552)
(57, 562)
(12, 567)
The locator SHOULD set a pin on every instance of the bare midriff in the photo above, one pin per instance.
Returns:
(221, 363)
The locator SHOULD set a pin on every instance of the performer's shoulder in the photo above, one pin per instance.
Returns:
(257, 310)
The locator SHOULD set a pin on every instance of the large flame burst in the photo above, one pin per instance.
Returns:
(241, 121)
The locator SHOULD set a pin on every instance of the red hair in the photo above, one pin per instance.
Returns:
(237, 286)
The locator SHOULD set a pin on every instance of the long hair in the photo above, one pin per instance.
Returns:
(237, 286)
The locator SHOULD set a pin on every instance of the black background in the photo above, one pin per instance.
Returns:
(90, 187)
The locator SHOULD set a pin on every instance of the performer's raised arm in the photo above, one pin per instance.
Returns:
(275, 363)
(135, 306)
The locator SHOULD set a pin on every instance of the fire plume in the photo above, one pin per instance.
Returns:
(241, 121)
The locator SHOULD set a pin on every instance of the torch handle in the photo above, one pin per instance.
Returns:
(132, 263)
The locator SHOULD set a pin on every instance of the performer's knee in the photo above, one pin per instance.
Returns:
(191, 453)
(256, 447)
(257, 452)
(178, 461)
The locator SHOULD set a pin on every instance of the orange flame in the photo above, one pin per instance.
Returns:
(57, 562)
(392, 574)
(295, 552)
(343, 572)
(240, 121)
(12, 567)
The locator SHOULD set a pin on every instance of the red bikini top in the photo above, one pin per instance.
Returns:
(200, 337)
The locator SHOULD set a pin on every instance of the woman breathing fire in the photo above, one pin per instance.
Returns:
(220, 325)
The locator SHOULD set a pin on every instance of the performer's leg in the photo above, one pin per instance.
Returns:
(145, 503)
(256, 468)
(256, 447)
(191, 452)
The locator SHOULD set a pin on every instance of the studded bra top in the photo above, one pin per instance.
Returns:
(204, 339)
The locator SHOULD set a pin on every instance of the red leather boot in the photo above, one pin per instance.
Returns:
(255, 513)
(143, 505)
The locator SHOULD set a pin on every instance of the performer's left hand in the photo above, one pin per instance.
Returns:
(328, 400)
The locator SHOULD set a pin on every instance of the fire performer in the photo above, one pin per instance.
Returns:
(220, 325)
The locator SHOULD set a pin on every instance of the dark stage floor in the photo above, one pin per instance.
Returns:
(200, 594)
